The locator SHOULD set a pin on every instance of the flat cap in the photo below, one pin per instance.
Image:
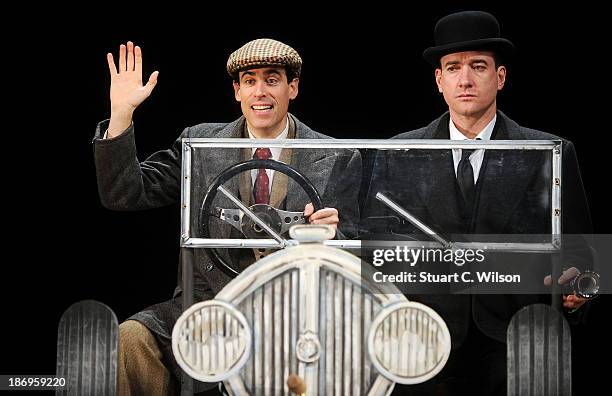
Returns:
(264, 52)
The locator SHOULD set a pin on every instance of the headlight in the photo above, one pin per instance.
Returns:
(211, 341)
(408, 343)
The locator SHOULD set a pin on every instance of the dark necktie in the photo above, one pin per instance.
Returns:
(261, 190)
(465, 179)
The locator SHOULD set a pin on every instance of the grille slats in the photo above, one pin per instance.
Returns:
(310, 317)
(344, 313)
(268, 335)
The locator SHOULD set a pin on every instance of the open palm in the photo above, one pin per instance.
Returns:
(127, 90)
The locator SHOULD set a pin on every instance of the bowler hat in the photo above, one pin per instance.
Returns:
(466, 31)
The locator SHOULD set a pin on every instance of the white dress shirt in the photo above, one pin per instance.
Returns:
(477, 156)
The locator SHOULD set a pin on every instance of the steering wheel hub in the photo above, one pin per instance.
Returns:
(278, 220)
(268, 215)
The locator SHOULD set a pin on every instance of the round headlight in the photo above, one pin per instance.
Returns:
(408, 343)
(211, 341)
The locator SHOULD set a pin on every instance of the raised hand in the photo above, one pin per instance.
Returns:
(127, 91)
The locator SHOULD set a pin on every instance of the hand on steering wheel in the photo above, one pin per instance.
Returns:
(267, 220)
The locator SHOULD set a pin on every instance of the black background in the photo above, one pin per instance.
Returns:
(363, 77)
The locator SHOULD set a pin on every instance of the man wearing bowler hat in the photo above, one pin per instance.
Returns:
(265, 75)
(477, 192)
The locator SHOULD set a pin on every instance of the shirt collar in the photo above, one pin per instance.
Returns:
(283, 134)
(485, 134)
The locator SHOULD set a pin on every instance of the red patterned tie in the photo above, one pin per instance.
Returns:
(262, 182)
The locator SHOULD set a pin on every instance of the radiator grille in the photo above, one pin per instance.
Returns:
(345, 314)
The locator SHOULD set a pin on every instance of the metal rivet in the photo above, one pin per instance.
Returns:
(209, 267)
(557, 181)
(557, 212)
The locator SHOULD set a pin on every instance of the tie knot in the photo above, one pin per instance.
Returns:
(465, 153)
(262, 153)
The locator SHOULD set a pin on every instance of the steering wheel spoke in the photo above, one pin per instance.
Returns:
(263, 220)
(289, 219)
(230, 216)
(238, 219)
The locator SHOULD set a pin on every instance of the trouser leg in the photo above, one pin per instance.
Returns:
(140, 369)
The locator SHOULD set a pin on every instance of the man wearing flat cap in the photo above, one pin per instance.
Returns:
(265, 76)
(458, 192)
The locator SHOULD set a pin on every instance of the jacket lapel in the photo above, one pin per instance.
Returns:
(503, 179)
(280, 180)
(441, 194)
(217, 162)
(246, 183)
(315, 164)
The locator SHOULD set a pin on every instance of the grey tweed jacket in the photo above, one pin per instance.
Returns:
(125, 183)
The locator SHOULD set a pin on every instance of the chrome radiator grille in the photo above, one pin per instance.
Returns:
(306, 312)
(346, 314)
(273, 311)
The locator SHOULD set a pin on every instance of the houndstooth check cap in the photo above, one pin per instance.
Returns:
(264, 52)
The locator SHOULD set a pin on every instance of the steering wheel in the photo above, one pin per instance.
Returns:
(278, 220)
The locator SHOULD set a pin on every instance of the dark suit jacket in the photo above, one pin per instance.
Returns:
(124, 183)
(510, 199)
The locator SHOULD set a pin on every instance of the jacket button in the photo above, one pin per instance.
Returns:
(209, 267)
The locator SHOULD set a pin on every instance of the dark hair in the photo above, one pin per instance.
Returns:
(290, 73)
